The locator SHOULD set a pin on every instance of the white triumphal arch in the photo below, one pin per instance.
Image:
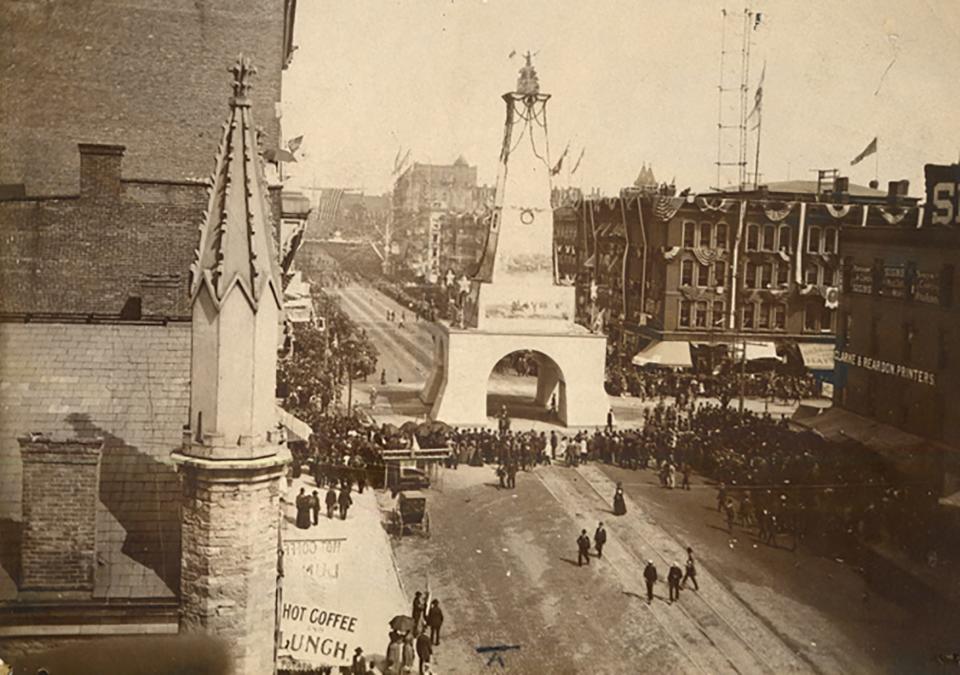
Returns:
(515, 301)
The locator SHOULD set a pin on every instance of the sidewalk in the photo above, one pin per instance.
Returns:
(340, 587)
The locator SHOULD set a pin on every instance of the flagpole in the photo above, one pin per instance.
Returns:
(756, 163)
(876, 164)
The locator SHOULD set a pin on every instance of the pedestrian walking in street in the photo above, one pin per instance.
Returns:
(303, 509)
(394, 661)
(358, 666)
(685, 470)
(619, 503)
(315, 506)
(435, 621)
(691, 571)
(331, 501)
(424, 652)
(502, 475)
(650, 577)
(721, 496)
(583, 548)
(419, 609)
(599, 539)
(610, 419)
(674, 577)
(345, 502)
(730, 513)
(511, 475)
(553, 445)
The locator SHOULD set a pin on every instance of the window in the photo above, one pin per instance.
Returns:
(909, 333)
(718, 317)
(835, 277)
(753, 237)
(769, 234)
(720, 235)
(701, 314)
(786, 239)
(684, 314)
(811, 275)
(689, 230)
(810, 315)
(813, 240)
(830, 240)
(783, 273)
(720, 273)
(847, 327)
(763, 322)
(826, 319)
(705, 235)
(847, 268)
(703, 275)
(780, 316)
(748, 315)
(686, 273)
(750, 275)
(766, 275)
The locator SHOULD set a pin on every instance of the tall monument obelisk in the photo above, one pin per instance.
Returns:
(516, 301)
(233, 458)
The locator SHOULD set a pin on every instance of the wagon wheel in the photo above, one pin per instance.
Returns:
(426, 524)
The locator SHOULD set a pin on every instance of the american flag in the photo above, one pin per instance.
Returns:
(329, 204)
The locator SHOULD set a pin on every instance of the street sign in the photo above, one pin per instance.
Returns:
(943, 194)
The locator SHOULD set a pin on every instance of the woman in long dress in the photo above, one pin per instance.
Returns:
(619, 505)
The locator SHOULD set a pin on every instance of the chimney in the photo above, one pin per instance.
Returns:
(897, 189)
(841, 185)
(100, 170)
(61, 486)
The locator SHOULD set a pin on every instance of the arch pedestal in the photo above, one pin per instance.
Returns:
(570, 363)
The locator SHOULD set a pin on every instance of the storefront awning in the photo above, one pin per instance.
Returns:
(838, 425)
(761, 350)
(817, 355)
(671, 354)
(296, 428)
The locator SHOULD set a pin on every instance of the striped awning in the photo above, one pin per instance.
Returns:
(669, 353)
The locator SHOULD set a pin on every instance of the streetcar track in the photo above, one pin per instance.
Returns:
(762, 624)
(671, 633)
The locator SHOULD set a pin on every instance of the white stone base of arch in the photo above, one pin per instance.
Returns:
(463, 360)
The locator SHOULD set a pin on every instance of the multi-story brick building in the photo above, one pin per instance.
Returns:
(106, 142)
(687, 279)
(899, 324)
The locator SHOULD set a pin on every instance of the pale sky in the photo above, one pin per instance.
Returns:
(632, 82)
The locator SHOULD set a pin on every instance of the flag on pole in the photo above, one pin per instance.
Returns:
(556, 169)
(758, 96)
(294, 143)
(867, 151)
(577, 165)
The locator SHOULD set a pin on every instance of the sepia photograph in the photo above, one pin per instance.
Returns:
(452, 337)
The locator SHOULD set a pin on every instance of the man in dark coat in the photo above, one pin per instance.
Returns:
(599, 539)
(674, 576)
(315, 506)
(359, 664)
(553, 444)
(424, 651)
(650, 577)
(331, 501)
(345, 502)
(583, 548)
(419, 607)
(435, 620)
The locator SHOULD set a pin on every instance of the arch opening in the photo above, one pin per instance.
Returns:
(530, 386)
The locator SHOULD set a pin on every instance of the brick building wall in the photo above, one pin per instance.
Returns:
(61, 480)
(151, 76)
(117, 246)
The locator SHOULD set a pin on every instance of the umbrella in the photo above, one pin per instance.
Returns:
(408, 427)
(402, 623)
(439, 427)
(390, 430)
(424, 428)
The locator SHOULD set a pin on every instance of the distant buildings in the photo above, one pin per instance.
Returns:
(438, 225)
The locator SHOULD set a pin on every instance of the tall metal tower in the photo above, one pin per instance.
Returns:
(732, 98)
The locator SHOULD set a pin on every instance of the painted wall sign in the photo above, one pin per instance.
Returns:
(887, 368)
(943, 194)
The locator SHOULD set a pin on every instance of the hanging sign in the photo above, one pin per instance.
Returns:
(861, 280)
(943, 194)
(926, 287)
(894, 281)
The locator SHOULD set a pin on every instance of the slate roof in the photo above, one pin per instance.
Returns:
(129, 384)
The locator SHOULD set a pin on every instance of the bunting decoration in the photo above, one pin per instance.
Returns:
(893, 215)
(665, 208)
(831, 296)
(708, 256)
(778, 211)
(783, 255)
(838, 211)
(724, 205)
(671, 253)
